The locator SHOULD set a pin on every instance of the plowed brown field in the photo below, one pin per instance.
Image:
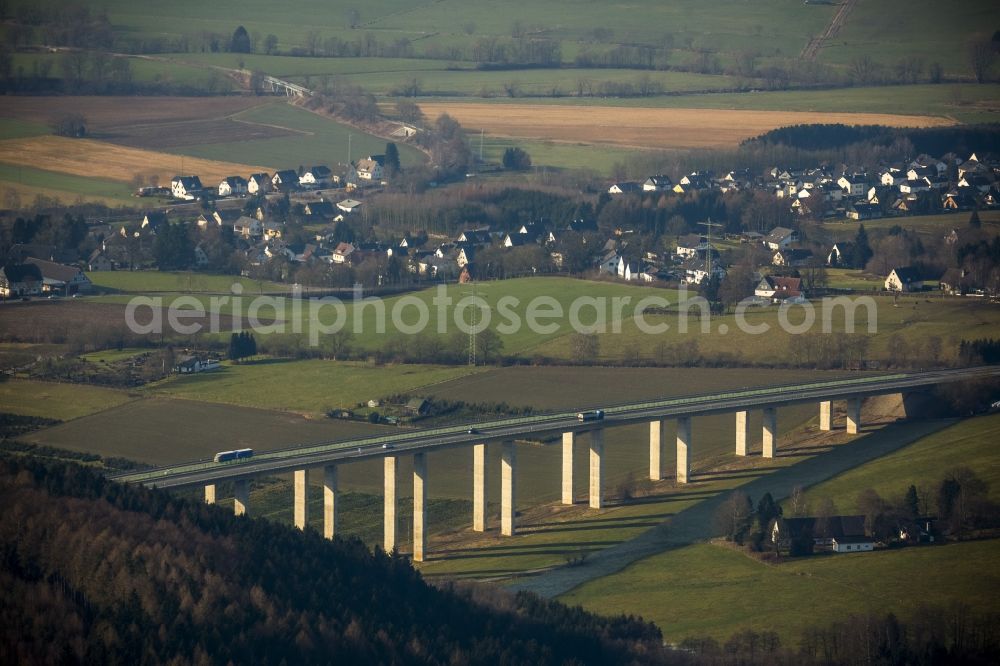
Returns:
(647, 127)
(85, 157)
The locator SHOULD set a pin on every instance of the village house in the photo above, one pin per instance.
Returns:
(777, 288)
(854, 185)
(60, 278)
(349, 205)
(371, 168)
(342, 253)
(188, 364)
(20, 280)
(233, 186)
(624, 188)
(185, 187)
(826, 532)
(791, 257)
(690, 245)
(841, 254)
(905, 278)
(248, 227)
(316, 177)
(658, 183)
(781, 237)
(285, 180)
(259, 183)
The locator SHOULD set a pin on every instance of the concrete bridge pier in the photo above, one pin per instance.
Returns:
(301, 512)
(826, 415)
(210, 493)
(241, 497)
(596, 468)
(657, 429)
(479, 487)
(742, 432)
(508, 488)
(330, 501)
(853, 415)
(419, 506)
(683, 446)
(389, 510)
(770, 431)
(568, 443)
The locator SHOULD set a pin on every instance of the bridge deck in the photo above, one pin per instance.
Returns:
(543, 425)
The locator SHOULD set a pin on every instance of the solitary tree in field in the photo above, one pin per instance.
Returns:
(240, 43)
(270, 44)
(516, 159)
(981, 56)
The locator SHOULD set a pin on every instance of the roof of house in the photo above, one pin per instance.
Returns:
(690, 241)
(369, 163)
(833, 527)
(235, 180)
(53, 271)
(907, 274)
(779, 234)
(320, 171)
(21, 273)
(260, 176)
(189, 182)
(286, 176)
(343, 249)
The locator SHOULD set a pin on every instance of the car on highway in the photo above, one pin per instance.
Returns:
(591, 415)
(472, 431)
(388, 446)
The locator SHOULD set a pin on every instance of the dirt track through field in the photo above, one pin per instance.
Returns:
(85, 157)
(647, 127)
(695, 524)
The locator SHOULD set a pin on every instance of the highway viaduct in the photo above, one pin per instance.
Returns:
(328, 456)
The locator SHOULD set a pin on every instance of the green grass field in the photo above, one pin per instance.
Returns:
(180, 281)
(57, 401)
(559, 155)
(320, 141)
(63, 185)
(308, 387)
(969, 443)
(927, 225)
(14, 128)
(912, 317)
(706, 590)
(702, 589)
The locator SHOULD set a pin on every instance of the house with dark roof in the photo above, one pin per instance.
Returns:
(259, 183)
(18, 280)
(841, 254)
(185, 187)
(791, 257)
(904, 278)
(285, 180)
(825, 531)
(317, 176)
(657, 183)
(233, 186)
(624, 188)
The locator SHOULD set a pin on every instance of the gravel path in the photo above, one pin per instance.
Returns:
(695, 524)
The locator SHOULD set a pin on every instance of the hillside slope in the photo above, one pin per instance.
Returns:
(96, 572)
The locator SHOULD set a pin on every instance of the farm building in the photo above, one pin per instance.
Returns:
(17, 280)
(61, 279)
(825, 531)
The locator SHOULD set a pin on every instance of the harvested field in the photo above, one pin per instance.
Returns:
(167, 136)
(86, 157)
(108, 113)
(648, 127)
(59, 321)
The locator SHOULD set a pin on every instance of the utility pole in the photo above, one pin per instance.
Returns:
(708, 252)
